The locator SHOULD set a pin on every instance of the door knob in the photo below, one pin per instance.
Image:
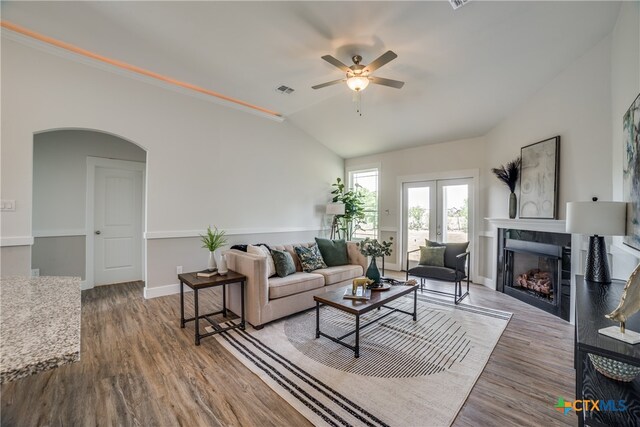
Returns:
(98, 232)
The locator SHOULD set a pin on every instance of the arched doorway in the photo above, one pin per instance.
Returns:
(88, 206)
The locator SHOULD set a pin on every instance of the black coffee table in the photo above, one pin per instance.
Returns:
(378, 300)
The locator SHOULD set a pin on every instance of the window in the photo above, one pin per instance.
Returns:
(367, 182)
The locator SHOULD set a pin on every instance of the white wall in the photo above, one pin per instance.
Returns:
(463, 155)
(206, 164)
(625, 87)
(60, 172)
(576, 106)
(59, 193)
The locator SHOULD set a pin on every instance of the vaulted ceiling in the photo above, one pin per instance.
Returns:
(465, 70)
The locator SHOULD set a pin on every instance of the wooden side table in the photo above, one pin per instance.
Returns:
(196, 283)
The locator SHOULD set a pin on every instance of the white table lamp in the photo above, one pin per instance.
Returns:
(597, 219)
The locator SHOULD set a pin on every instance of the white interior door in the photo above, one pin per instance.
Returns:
(439, 210)
(117, 222)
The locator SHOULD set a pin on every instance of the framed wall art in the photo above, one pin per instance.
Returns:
(539, 179)
(631, 172)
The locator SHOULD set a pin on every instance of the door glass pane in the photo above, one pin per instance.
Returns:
(455, 200)
(418, 212)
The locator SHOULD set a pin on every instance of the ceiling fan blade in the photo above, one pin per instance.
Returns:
(382, 59)
(336, 63)
(387, 82)
(334, 82)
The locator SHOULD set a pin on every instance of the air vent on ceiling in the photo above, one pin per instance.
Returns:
(458, 3)
(285, 90)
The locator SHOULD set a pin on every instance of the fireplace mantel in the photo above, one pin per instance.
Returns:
(549, 225)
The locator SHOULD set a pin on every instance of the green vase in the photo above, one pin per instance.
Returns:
(513, 205)
(372, 272)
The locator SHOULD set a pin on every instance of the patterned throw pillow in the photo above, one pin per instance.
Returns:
(283, 262)
(310, 258)
(432, 256)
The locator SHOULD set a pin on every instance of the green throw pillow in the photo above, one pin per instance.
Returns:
(310, 258)
(432, 256)
(334, 252)
(284, 263)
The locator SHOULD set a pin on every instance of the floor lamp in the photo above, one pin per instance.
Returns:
(335, 209)
(597, 219)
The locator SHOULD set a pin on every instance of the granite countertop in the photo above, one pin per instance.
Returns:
(39, 324)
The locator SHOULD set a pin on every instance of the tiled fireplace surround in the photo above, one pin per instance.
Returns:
(559, 250)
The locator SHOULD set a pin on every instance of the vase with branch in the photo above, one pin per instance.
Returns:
(213, 240)
(509, 174)
(375, 249)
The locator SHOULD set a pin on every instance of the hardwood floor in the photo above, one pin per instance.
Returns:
(138, 367)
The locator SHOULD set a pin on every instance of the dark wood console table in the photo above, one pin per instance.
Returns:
(593, 301)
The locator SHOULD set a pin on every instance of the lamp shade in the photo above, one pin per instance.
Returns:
(597, 218)
(335, 208)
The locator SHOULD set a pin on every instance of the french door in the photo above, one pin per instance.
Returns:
(439, 210)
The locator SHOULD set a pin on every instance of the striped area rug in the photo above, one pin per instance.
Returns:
(408, 374)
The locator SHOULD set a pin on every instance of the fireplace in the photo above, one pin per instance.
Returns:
(535, 267)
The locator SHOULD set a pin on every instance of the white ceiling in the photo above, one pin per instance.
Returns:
(464, 70)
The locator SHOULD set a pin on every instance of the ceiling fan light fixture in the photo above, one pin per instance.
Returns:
(357, 83)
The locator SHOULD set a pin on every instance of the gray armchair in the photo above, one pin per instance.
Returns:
(456, 269)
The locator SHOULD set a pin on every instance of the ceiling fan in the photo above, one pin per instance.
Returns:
(359, 76)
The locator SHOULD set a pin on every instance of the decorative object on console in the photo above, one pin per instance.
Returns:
(335, 209)
(213, 240)
(539, 179)
(629, 305)
(614, 369)
(509, 174)
(353, 201)
(631, 172)
(597, 219)
(374, 249)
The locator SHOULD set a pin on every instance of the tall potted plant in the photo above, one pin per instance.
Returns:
(354, 214)
(375, 249)
(509, 174)
(213, 240)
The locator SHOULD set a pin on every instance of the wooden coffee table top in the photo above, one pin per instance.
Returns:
(336, 299)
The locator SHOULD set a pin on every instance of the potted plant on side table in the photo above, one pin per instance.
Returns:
(213, 240)
(375, 249)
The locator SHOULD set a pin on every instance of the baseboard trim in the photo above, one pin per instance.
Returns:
(84, 285)
(162, 291)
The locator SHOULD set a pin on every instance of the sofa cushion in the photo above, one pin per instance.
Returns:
(310, 258)
(264, 251)
(432, 255)
(294, 284)
(283, 262)
(452, 250)
(340, 273)
(437, 273)
(334, 252)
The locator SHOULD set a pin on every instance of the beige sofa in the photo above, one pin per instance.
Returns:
(268, 299)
